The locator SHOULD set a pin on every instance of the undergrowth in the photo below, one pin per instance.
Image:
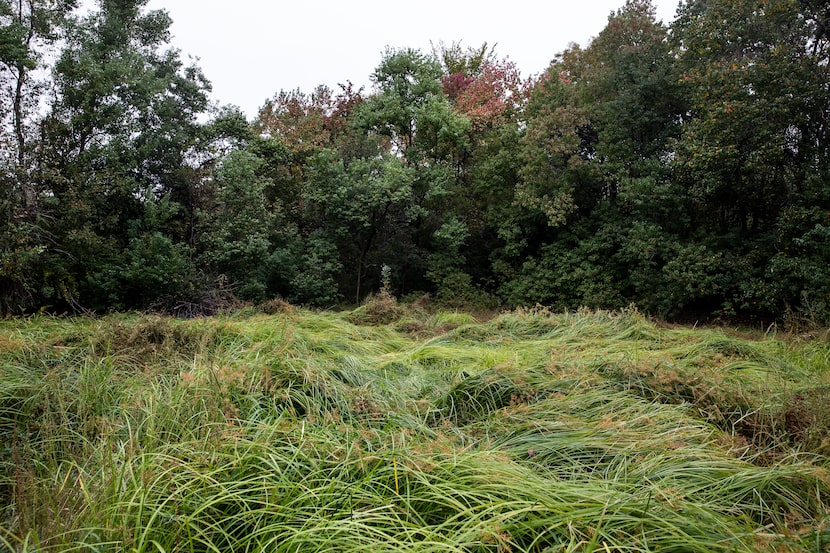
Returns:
(301, 431)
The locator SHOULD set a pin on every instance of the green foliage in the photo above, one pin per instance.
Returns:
(234, 235)
(13, 47)
(454, 287)
(748, 151)
(314, 282)
(747, 141)
(112, 145)
(680, 167)
(366, 204)
(457, 60)
(553, 152)
(18, 262)
(153, 271)
(800, 267)
(570, 271)
(407, 81)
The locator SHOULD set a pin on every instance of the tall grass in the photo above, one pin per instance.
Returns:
(301, 431)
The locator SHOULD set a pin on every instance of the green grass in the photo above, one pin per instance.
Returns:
(307, 431)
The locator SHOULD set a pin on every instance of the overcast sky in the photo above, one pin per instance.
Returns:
(251, 49)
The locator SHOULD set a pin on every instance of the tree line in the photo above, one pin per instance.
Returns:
(680, 167)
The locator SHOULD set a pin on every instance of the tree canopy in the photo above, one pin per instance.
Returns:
(681, 167)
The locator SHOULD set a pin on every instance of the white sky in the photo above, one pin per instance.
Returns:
(251, 49)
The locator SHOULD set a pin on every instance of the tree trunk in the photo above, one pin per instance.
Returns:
(27, 193)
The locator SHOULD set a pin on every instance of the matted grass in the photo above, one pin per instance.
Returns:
(305, 431)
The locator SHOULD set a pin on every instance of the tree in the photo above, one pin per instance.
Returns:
(468, 62)
(28, 28)
(298, 120)
(753, 153)
(410, 111)
(746, 144)
(603, 117)
(601, 129)
(407, 83)
(292, 127)
(556, 149)
(234, 234)
(365, 205)
(496, 94)
(490, 93)
(115, 140)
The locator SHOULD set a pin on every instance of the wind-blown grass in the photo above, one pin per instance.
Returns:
(301, 431)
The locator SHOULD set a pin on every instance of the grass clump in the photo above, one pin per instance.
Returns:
(303, 431)
(377, 309)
